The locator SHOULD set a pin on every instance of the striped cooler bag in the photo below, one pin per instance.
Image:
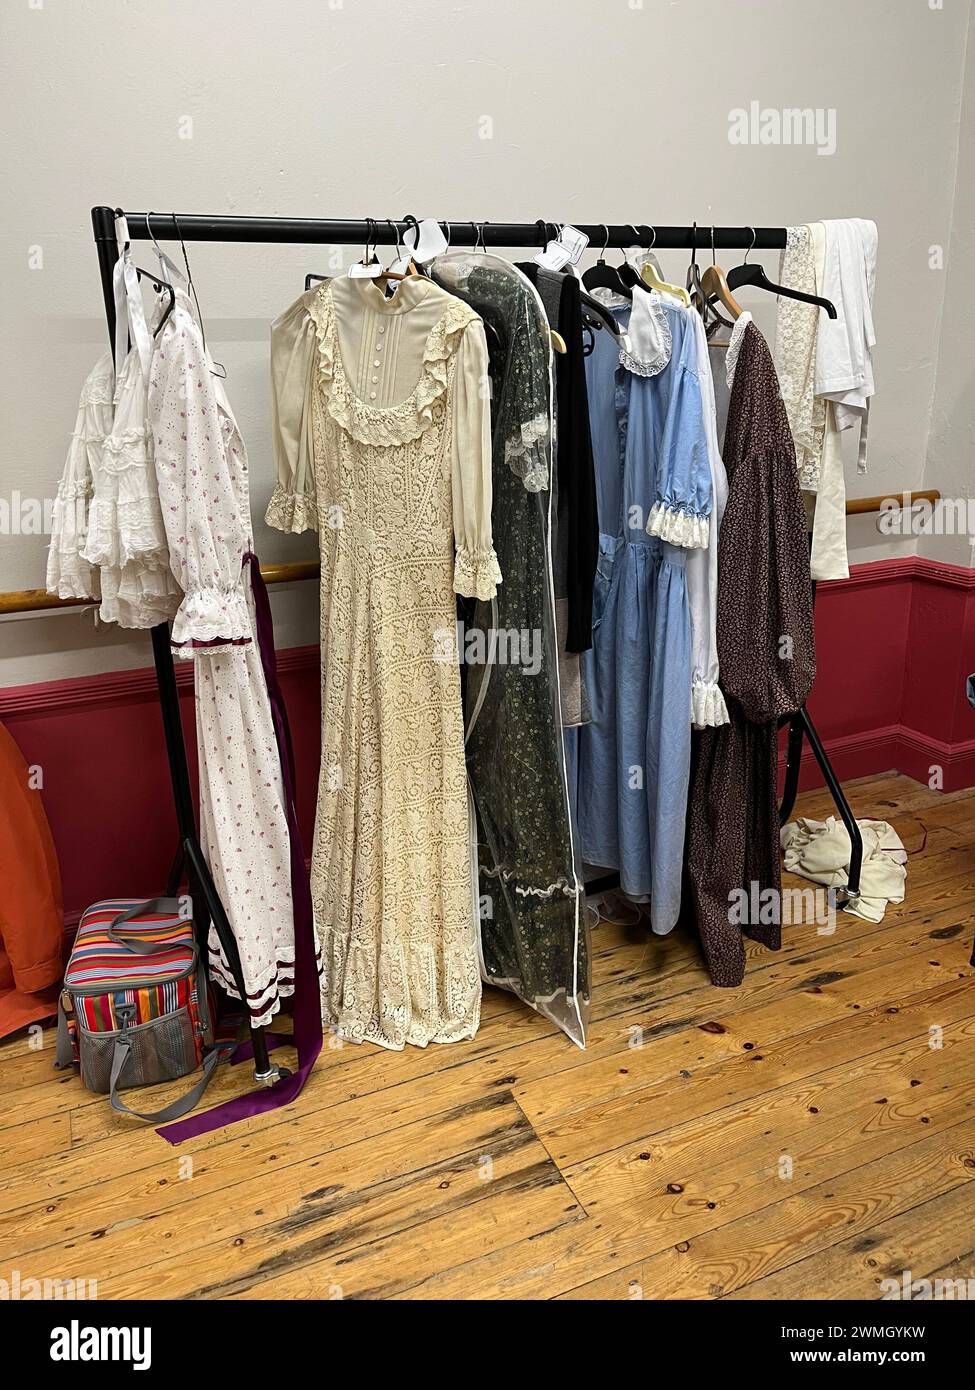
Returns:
(134, 1008)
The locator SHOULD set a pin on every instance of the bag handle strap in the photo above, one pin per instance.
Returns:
(176, 1108)
(137, 945)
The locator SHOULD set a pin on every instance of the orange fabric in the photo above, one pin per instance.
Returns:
(31, 914)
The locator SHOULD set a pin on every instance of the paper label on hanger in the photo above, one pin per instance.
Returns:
(565, 250)
(554, 257)
(574, 241)
(425, 242)
(169, 269)
(372, 271)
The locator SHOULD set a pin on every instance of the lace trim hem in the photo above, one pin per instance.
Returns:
(291, 511)
(561, 887)
(70, 489)
(125, 450)
(212, 618)
(678, 528)
(388, 425)
(708, 708)
(68, 576)
(477, 573)
(264, 1000)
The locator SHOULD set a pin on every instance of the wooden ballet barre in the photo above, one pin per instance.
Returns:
(860, 506)
(36, 600)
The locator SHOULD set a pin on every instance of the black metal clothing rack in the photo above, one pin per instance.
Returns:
(355, 231)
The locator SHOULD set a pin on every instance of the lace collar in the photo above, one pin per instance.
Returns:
(651, 343)
(734, 346)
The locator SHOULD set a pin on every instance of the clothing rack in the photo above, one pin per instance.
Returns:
(385, 231)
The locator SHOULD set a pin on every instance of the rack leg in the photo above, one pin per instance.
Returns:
(793, 761)
(852, 889)
(265, 1071)
(176, 872)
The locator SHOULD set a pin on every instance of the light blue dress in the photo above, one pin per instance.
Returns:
(633, 760)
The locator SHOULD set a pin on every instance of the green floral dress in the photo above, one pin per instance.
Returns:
(534, 933)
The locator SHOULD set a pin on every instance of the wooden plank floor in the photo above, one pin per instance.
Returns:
(806, 1135)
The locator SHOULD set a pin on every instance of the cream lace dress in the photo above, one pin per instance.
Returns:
(382, 439)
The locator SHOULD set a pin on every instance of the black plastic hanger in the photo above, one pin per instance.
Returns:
(751, 273)
(603, 276)
(630, 277)
(595, 314)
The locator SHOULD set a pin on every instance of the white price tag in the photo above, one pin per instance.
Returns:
(425, 242)
(372, 271)
(574, 241)
(554, 257)
(565, 250)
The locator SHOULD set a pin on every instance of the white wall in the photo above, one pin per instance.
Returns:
(950, 464)
(600, 109)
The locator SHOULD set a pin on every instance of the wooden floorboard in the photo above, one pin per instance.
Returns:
(808, 1134)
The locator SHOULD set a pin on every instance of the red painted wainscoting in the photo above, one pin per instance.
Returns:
(895, 641)
(99, 744)
(894, 645)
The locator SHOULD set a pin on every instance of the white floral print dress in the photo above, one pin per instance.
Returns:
(201, 469)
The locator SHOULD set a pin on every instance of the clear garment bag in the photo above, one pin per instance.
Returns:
(533, 925)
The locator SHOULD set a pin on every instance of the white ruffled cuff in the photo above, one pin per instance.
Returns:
(708, 709)
(291, 511)
(678, 528)
(211, 620)
(477, 573)
(69, 576)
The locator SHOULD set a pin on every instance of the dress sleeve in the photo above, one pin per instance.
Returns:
(476, 570)
(682, 508)
(208, 537)
(293, 506)
(765, 623)
(69, 574)
(708, 708)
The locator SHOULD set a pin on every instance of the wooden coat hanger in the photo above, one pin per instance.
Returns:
(714, 286)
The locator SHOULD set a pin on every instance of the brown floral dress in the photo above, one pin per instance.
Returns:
(767, 655)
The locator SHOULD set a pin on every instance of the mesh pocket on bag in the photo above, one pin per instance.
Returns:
(161, 1050)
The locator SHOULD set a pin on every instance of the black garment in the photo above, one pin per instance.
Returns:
(576, 543)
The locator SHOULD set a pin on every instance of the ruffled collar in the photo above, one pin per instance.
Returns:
(423, 407)
(734, 346)
(651, 342)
